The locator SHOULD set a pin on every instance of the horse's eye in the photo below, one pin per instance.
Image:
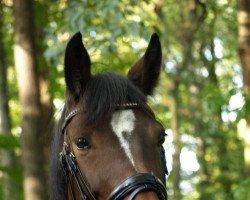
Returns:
(82, 143)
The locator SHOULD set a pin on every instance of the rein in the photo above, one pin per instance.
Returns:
(133, 185)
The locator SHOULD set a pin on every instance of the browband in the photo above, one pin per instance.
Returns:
(78, 110)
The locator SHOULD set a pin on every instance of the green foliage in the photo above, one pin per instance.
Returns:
(9, 142)
(114, 34)
(109, 28)
(242, 192)
(203, 63)
(15, 174)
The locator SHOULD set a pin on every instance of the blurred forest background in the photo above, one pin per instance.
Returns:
(203, 98)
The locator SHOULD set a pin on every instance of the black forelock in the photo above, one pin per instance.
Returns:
(104, 92)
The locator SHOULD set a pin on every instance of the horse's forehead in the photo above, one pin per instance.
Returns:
(123, 124)
(123, 121)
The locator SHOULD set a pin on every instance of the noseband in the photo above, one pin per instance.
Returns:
(131, 186)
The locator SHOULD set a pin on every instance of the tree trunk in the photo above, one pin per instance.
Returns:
(45, 96)
(7, 157)
(175, 126)
(25, 63)
(244, 54)
(204, 184)
(174, 109)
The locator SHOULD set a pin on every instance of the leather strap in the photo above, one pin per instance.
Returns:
(137, 183)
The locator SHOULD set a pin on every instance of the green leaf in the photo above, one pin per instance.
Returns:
(9, 142)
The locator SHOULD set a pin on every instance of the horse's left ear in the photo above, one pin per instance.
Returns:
(145, 73)
(76, 66)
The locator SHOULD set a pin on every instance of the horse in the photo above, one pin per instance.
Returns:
(108, 144)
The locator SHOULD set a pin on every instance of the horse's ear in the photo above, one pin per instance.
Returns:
(76, 65)
(145, 73)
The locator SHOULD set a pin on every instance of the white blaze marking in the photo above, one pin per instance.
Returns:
(123, 124)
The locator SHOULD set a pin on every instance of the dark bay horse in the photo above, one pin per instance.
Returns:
(108, 144)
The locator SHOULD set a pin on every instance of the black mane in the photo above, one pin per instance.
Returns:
(57, 181)
(100, 98)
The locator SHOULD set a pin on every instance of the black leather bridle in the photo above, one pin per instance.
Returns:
(131, 186)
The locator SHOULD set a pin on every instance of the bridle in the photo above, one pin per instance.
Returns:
(131, 186)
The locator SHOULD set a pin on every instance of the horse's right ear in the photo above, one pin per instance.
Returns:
(76, 66)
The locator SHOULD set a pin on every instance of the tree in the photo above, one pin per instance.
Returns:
(46, 97)
(192, 31)
(244, 54)
(192, 14)
(7, 156)
(26, 69)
